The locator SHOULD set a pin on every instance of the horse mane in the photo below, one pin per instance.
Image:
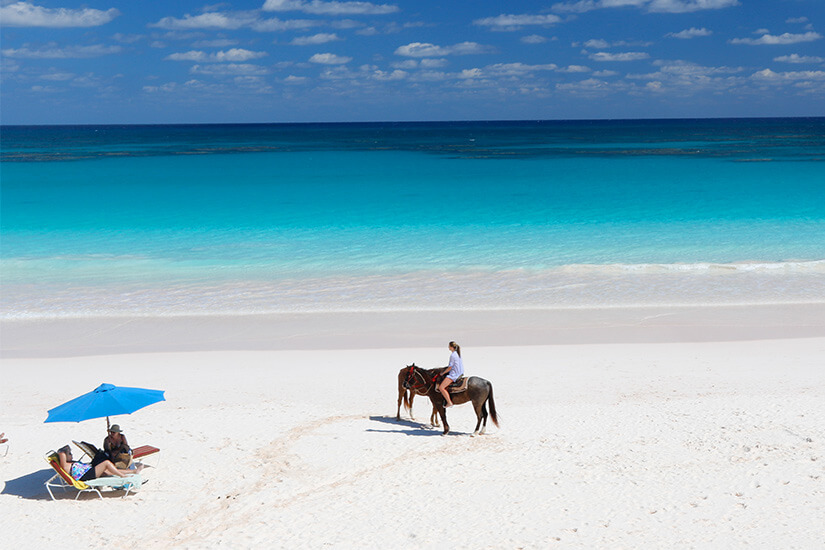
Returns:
(429, 374)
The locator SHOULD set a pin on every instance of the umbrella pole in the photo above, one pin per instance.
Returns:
(107, 424)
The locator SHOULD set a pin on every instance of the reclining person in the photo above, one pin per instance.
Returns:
(82, 471)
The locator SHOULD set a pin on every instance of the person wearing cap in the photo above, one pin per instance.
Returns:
(118, 448)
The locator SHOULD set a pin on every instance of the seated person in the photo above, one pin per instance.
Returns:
(3, 438)
(81, 471)
(118, 448)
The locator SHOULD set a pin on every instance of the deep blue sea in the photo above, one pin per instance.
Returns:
(235, 219)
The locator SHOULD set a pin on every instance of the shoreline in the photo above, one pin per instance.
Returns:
(68, 337)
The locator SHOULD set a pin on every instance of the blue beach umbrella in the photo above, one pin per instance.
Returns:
(105, 400)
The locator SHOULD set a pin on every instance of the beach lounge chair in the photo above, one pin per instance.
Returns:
(87, 448)
(143, 451)
(137, 453)
(62, 479)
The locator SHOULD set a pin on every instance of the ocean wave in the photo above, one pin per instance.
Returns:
(794, 266)
(570, 287)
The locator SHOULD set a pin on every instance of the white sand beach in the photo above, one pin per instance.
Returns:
(651, 428)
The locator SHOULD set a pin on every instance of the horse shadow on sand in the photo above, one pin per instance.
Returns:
(407, 427)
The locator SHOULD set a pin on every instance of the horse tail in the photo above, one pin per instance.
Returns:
(407, 399)
(491, 401)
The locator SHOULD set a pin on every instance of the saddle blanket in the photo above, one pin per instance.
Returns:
(459, 385)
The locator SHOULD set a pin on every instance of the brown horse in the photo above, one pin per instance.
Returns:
(479, 391)
(408, 401)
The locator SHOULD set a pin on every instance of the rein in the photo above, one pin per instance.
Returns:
(414, 372)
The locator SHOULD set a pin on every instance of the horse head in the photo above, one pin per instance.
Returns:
(408, 380)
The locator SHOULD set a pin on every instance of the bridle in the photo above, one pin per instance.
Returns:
(417, 380)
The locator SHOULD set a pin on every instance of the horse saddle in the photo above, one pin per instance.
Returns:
(459, 385)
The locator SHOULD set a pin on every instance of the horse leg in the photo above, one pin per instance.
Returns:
(401, 392)
(480, 413)
(484, 418)
(434, 417)
(412, 396)
(443, 412)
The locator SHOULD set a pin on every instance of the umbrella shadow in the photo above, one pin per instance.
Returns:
(30, 486)
(417, 428)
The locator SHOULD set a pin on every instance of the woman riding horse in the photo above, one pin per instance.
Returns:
(479, 391)
(453, 372)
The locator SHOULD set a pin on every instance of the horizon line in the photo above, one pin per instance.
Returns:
(391, 122)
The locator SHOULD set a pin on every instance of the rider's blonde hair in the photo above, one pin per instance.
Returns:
(456, 347)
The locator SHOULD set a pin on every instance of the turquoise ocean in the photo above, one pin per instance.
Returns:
(264, 218)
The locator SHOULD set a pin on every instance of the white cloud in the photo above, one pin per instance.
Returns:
(318, 7)
(597, 43)
(587, 5)
(685, 77)
(516, 69)
(470, 73)
(320, 38)
(771, 76)
(229, 69)
(685, 6)
(576, 69)
(600, 44)
(426, 63)
(796, 20)
(69, 52)
(26, 14)
(276, 25)
(515, 22)
(432, 63)
(691, 69)
(292, 79)
(589, 85)
(337, 73)
(212, 20)
(233, 55)
(659, 6)
(796, 58)
(782, 39)
(533, 39)
(423, 49)
(692, 32)
(329, 59)
(388, 76)
(626, 56)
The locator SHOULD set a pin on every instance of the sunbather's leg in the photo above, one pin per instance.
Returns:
(107, 468)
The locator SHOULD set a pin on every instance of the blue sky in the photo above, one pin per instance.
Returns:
(111, 61)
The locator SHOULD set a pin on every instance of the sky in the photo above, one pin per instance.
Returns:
(128, 62)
